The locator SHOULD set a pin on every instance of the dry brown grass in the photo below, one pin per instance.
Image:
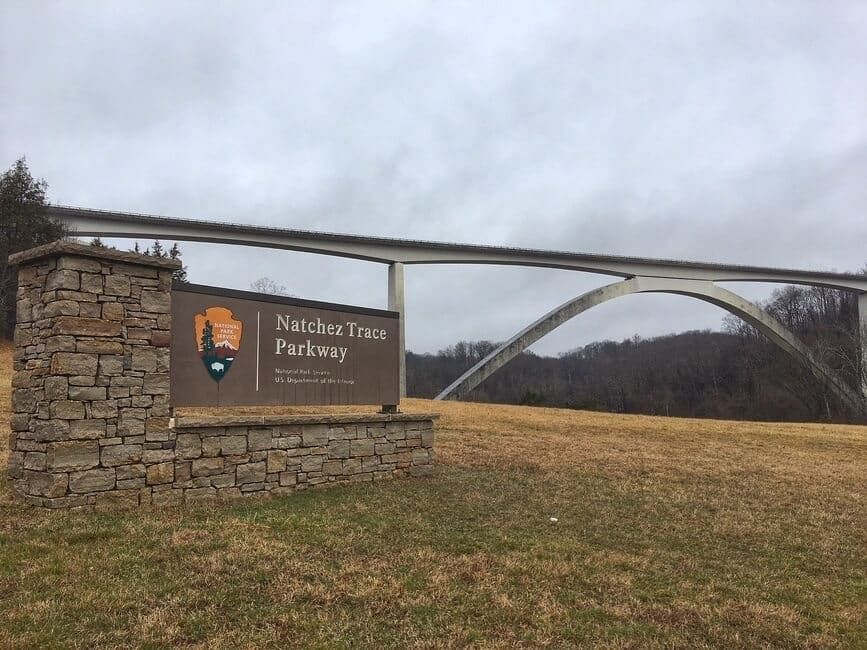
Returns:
(671, 533)
(5, 409)
(514, 437)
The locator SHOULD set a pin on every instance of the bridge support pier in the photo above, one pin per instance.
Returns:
(862, 338)
(396, 303)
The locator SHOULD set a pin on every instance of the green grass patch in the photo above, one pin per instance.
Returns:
(467, 557)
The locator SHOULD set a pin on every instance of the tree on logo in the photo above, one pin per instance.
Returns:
(208, 338)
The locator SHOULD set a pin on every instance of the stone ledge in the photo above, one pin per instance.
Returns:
(198, 422)
(63, 247)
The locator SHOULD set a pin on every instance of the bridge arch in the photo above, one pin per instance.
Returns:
(688, 278)
(699, 289)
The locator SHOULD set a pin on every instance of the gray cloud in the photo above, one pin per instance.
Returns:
(712, 131)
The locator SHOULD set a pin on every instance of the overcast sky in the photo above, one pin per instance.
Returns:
(714, 131)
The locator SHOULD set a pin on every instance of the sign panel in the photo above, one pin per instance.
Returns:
(237, 348)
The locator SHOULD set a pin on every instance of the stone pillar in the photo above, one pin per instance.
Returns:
(396, 303)
(90, 391)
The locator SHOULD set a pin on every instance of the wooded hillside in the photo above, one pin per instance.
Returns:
(733, 374)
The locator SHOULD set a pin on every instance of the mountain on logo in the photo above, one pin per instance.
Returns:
(224, 350)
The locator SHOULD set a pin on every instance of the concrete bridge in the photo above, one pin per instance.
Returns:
(639, 275)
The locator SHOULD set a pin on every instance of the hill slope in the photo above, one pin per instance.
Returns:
(669, 532)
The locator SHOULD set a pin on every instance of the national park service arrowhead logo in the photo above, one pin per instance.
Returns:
(219, 339)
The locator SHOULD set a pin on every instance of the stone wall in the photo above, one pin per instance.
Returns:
(233, 456)
(92, 423)
(90, 399)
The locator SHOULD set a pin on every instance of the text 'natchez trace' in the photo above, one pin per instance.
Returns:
(307, 349)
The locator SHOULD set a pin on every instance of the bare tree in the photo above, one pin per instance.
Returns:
(269, 286)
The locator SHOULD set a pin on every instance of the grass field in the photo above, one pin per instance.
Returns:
(670, 533)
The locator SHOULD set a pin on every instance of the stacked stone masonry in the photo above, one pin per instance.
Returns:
(228, 457)
(92, 422)
(90, 396)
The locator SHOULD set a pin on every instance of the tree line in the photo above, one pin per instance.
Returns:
(25, 224)
(732, 374)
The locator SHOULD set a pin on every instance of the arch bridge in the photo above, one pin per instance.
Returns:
(638, 275)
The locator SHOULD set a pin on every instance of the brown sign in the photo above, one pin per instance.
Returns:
(236, 348)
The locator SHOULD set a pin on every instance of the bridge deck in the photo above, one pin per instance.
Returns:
(92, 223)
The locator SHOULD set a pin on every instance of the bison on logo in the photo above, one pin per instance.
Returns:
(219, 339)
